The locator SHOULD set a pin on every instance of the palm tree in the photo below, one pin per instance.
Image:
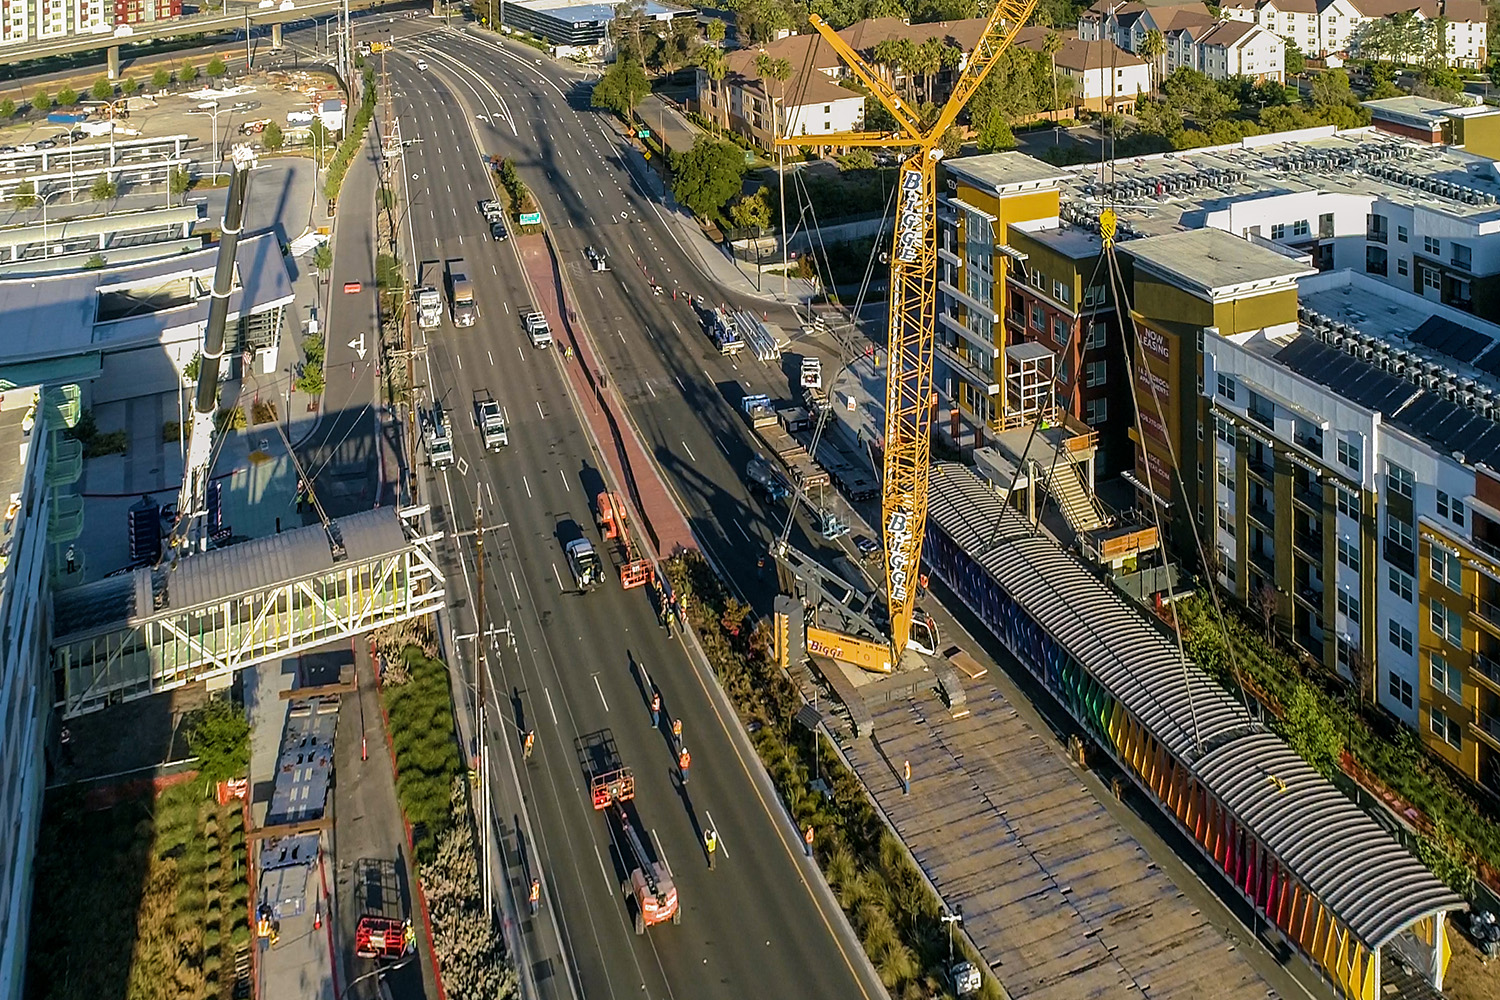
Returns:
(929, 59)
(886, 55)
(1153, 48)
(716, 31)
(715, 66)
(1051, 45)
(779, 70)
(904, 53)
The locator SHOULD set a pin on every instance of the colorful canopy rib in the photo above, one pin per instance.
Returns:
(1235, 787)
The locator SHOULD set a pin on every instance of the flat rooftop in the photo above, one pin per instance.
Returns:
(998, 170)
(68, 314)
(1159, 194)
(1212, 260)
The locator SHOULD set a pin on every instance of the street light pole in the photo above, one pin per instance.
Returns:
(46, 244)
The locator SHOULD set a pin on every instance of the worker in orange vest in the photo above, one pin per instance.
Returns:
(655, 709)
(677, 731)
(683, 760)
(536, 895)
(530, 744)
(807, 839)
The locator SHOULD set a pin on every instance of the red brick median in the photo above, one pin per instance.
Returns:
(626, 456)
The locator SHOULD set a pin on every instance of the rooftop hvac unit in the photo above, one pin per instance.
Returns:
(1429, 380)
(1466, 400)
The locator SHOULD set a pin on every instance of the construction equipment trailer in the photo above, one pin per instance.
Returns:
(649, 882)
(384, 931)
(634, 570)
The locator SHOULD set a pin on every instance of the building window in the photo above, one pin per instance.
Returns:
(1094, 373)
(1400, 583)
(1094, 296)
(1038, 279)
(1349, 553)
(1447, 729)
(1463, 257)
(1062, 292)
(1446, 623)
(1038, 318)
(1224, 430)
(1450, 507)
(1301, 228)
(1432, 245)
(1348, 453)
(1226, 521)
(1095, 339)
(1224, 479)
(1325, 226)
(1278, 231)
(1399, 689)
(1401, 265)
(1226, 386)
(1346, 500)
(1398, 479)
(1400, 234)
(1446, 569)
(1349, 606)
(1398, 532)
(1445, 676)
(1095, 411)
(1061, 331)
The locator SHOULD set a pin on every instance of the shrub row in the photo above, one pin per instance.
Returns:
(884, 895)
(354, 137)
(422, 733)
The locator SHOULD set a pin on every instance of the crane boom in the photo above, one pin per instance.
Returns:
(913, 307)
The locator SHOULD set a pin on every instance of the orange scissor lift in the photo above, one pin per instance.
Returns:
(634, 571)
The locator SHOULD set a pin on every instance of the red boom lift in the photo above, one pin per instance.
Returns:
(649, 882)
(634, 571)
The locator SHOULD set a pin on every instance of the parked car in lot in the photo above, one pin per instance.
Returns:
(867, 546)
(46, 143)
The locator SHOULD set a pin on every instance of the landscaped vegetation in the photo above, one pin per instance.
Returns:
(419, 704)
(147, 897)
(878, 886)
(97, 443)
(354, 137)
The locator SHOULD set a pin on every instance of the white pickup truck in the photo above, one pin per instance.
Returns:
(812, 373)
(493, 426)
(536, 327)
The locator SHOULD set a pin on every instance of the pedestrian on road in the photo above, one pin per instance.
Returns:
(530, 743)
(807, 839)
(655, 709)
(536, 895)
(683, 760)
(711, 843)
(677, 732)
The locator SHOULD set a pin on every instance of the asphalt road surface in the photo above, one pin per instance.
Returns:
(753, 925)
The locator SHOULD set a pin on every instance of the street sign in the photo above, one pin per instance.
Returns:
(643, 133)
(530, 218)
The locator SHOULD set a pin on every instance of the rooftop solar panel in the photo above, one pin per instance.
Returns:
(1447, 337)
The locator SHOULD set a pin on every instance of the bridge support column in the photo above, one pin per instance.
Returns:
(114, 62)
(276, 37)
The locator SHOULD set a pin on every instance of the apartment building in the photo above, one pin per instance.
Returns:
(35, 461)
(1193, 38)
(1105, 77)
(23, 21)
(1235, 48)
(1353, 494)
(1326, 27)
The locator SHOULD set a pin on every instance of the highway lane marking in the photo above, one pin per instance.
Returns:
(607, 883)
(689, 451)
(677, 328)
(599, 290)
(679, 382)
(601, 692)
(741, 527)
(459, 358)
(557, 576)
(520, 353)
(650, 390)
(548, 693)
(564, 476)
(514, 588)
(527, 483)
(720, 444)
(538, 402)
(717, 835)
(491, 356)
(496, 271)
(621, 335)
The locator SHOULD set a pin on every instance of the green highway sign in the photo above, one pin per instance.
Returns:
(531, 218)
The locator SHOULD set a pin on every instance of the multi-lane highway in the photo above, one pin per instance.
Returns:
(757, 922)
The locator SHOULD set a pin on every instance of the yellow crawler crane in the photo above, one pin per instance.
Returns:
(913, 304)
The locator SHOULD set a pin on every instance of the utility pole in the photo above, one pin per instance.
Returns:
(480, 665)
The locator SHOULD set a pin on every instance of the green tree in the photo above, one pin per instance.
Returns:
(708, 175)
(1309, 731)
(25, 195)
(104, 189)
(128, 86)
(272, 138)
(187, 73)
(179, 180)
(752, 211)
(953, 141)
(1330, 89)
(322, 257)
(161, 78)
(216, 67)
(95, 262)
(102, 90)
(621, 88)
(996, 135)
(67, 97)
(857, 158)
(715, 31)
(716, 66)
(1153, 49)
(41, 101)
(1296, 62)
(7, 108)
(1051, 45)
(219, 736)
(780, 70)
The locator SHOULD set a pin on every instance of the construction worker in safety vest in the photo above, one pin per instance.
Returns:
(408, 938)
(655, 709)
(677, 731)
(530, 743)
(683, 760)
(536, 895)
(711, 843)
(263, 922)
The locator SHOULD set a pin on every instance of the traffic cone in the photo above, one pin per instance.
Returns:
(364, 752)
(318, 918)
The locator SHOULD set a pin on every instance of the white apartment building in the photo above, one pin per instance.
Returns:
(27, 438)
(1103, 74)
(14, 21)
(1235, 48)
(1324, 27)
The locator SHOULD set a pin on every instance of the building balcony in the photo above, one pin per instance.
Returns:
(1309, 495)
(64, 517)
(1309, 595)
(63, 405)
(1260, 512)
(1399, 556)
(1377, 235)
(1309, 542)
(1266, 564)
(1487, 614)
(1261, 468)
(1489, 548)
(1265, 418)
(1487, 728)
(64, 461)
(1487, 670)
